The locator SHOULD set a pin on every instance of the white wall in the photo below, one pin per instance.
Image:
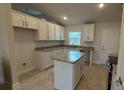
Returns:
(7, 47)
(25, 45)
(25, 53)
(99, 28)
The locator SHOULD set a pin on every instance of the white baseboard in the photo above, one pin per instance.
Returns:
(1, 73)
(16, 86)
(26, 70)
(1, 80)
(98, 62)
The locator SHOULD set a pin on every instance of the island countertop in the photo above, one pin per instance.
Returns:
(69, 56)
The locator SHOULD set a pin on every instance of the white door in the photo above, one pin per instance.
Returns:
(51, 30)
(18, 19)
(31, 22)
(110, 44)
(43, 30)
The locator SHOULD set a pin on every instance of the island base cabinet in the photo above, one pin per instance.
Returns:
(67, 75)
(78, 71)
(63, 73)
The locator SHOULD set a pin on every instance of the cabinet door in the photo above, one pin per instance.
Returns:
(51, 30)
(31, 22)
(43, 30)
(91, 32)
(62, 32)
(88, 32)
(44, 60)
(52, 53)
(18, 19)
(57, 32)
(49, 59)
(85, 32)
(76, 73)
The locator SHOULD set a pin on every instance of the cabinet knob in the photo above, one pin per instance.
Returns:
(48, 37)
(23, 23)
(87, 37)
(103, 48)
(26, 23)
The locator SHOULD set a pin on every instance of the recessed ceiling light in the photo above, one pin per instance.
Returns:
(101, 5)
(65, 18)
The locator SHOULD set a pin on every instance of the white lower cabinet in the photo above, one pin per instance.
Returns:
(78, 71)
(44, 59)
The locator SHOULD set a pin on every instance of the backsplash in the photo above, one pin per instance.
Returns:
(48, 43)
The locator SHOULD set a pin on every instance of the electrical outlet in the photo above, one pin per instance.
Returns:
(24, 64)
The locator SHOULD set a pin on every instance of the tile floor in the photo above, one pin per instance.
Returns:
(94, 79)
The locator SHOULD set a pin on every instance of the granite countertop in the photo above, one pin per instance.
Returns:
(69, 56)
(51, 48)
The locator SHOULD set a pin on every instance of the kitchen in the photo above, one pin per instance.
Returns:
(44, 47)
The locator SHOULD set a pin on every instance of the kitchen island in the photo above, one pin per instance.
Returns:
(46, 51)
(68, 68)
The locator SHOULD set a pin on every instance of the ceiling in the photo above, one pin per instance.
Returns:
(77, 13)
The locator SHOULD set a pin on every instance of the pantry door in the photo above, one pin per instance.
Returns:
(110, 43)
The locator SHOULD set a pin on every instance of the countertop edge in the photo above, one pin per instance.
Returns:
(51, 48)
(68, 61)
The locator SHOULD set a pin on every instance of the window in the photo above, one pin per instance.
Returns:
(74, 38)
(74, 55)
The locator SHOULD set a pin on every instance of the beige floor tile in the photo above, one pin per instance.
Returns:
(94, 79)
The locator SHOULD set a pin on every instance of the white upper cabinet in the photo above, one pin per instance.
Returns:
(62, 32)
(57, 32)
(24, 21)
(45, 30)
(31, 22)
(88, 32)
(51, 30)
(42, 33)
(18, 19)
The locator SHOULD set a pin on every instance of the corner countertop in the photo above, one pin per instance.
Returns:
(69, 56)
(51, 48)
